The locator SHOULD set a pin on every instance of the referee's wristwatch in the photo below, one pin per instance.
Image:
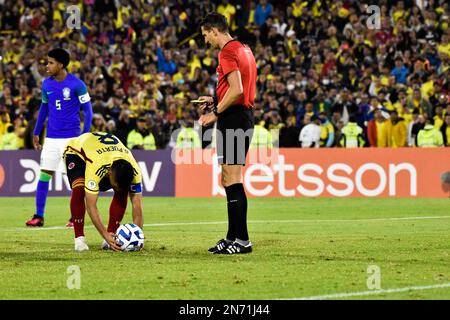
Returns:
(214, 110)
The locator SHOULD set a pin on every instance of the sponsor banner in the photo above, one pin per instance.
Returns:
(19, 174)
(367, 172)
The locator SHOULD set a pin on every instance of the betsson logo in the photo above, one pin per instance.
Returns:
(330, 179)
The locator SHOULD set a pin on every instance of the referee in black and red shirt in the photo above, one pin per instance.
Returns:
(232, 109)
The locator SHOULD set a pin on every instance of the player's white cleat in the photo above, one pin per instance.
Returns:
(80, 244)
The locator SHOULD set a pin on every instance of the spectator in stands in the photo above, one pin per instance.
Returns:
(139, 56)
(400, 72)
(402, 108)
(274, 124)
(395, 134)
(289, 134)
(262, 12)
(345, 105)
(352, 135)
(308, 109)
(438, 118)
(111, 127)
(429, 136)
(8, 141)
(149, 139)
(188, 137)
(445, 130)
(5, 121)
(228, 10)
(338, 132)
(262, 138)
(417, 123)
(326, 131)
(420, 102)
(310, 133)
(99, 123)
(124, 125)
(20, 127)
(165, 62)
(375, 129)
(135, 139)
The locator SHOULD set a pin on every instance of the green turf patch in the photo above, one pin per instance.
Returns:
(302, 248)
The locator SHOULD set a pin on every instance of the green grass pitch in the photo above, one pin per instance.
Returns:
(302, 248)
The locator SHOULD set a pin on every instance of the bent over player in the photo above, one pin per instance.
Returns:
(98, 161)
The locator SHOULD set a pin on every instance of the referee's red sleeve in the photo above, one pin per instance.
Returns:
(228, 62)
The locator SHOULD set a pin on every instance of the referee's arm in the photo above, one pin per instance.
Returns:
(234, 92)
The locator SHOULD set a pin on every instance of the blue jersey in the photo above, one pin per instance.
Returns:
(65, 99)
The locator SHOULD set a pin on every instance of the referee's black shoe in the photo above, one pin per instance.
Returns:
(220, 245)
(236, 248)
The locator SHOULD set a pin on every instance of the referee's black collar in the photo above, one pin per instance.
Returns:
(228, 43)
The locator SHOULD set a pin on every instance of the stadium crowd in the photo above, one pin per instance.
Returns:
(329, 73)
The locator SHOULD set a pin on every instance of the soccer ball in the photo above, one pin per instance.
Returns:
(130, 237)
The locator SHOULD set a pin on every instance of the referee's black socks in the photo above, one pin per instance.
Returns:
(237, 212)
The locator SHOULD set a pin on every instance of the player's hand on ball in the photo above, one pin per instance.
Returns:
(111, 239)
(37, 146)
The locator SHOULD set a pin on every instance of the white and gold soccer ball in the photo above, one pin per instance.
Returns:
(130, 237)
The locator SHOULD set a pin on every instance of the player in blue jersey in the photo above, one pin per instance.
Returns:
(63, 95)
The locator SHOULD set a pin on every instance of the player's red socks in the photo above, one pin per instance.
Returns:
(78, 207)
(117, 210)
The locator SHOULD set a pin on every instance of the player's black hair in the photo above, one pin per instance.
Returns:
(215, 20)
(123, 172)
(61, 55)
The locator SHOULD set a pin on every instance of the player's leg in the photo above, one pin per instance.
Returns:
(41, 197)
(237, 140)
(75, 167)
(220, 149)
(228, 176)
(116, 212)
(236, 129)
(237, 209)
(42, 191)
(61, 144)
(50, 158)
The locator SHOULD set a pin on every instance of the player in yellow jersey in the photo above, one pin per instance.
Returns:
(98, 161)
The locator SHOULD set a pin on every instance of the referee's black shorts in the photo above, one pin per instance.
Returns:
(234, 134)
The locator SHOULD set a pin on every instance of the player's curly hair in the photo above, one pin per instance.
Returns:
(61, 55)
(215, 20)
(123, 173)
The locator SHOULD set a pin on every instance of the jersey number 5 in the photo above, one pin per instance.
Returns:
(106, 138)
(58, 104)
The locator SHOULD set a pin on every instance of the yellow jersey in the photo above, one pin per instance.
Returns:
(99, 150)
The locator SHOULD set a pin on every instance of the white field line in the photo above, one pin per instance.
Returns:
(168, 224)
(373, 292)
